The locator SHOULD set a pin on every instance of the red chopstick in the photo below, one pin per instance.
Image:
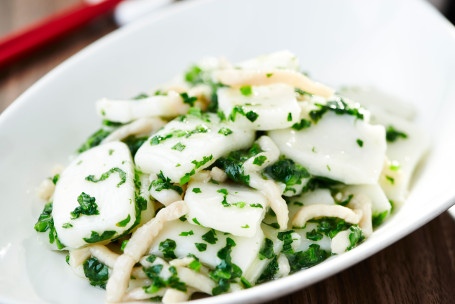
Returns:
(16, 45)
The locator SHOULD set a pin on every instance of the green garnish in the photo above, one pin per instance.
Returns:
(164, 183)
(95, 237)
(96, 272)
(210, 237)
(303, 124)
(87, 206)
(246, 90)
(94, 140)
(105, 175)
(225, 131)
(201, 246)
(266, 251)
(124, 222)
(167, 247)
(287, 172)
(226, 271)
(258, 161)
(337, 106)
(186, 233)
(178, 146)
(188, 100)
(392, 134)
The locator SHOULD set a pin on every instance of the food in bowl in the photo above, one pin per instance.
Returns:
(229, 176)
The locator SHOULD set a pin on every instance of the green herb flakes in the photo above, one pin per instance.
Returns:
(178, 147)
(201, 246)
(105, 175)
(87, 206)
(167, 247)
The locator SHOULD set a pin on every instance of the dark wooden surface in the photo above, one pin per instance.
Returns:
(417, 269)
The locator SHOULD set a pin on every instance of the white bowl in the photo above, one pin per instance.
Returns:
(403, 47)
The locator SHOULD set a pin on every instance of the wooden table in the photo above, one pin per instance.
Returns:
(417, 269)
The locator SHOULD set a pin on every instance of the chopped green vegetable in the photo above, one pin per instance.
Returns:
(330, 226)
(360, 143)
(188, 100)
(302, 92)
(134, 143)
(105, 175)
(287, 172)
(164, 183)
(158, 282)
(67, 225)
(355, 237)
(305, 259)
(167, 247)
(141, 96)
(205, 159)
(55, 179)
(194, 75)
(346, 201)
(256, 206)
(124, 243)
(258, 161)
(392, 134)
(226, 271)
(377, 219)
(210, 237)
(195, 265)
(252, 116)
(178, 146)
(95, 237)
(186, 233)
(390, 179)
(197, 190)
(87, 206)
(314, 235)
(269, 75)
(286, 237)
(96, 272)
(94, 140)
(303, 124)
(124, 222)
(266, 251)
(246, 90)
(337, 106)
(233, 163)
(46, 222)
(201, 246)
(269, 272)
(186, 178)
(225, 131)
(151, 258)
(289, 116)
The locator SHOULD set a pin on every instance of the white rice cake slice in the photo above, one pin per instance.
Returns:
(403, 154)
(235, 209)
(379, 103)
(124, 111)
(379, 201)
(278, 60)
(263, 108)
(186, 146)
(187, 236)
(330, 148)
(114, 196)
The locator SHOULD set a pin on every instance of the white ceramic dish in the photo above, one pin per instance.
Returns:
(403, 47)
